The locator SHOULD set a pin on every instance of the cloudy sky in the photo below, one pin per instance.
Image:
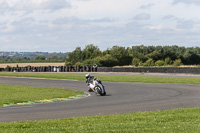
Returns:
(62, 25)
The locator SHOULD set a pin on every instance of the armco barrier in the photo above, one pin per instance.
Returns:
(188, 70)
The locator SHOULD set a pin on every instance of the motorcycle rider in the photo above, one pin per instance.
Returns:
(89, 79)
(93, 83)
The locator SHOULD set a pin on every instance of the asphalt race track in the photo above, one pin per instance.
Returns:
(121, 98)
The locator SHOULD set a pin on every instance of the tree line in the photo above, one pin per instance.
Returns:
(29, 58)
(135, 56)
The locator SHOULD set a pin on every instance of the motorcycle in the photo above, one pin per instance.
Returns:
(97, 87)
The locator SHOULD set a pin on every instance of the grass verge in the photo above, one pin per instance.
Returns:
(177, 120)
(12, 94)
(109, 78)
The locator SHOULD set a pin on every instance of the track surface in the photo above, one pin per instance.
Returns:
(121, 98)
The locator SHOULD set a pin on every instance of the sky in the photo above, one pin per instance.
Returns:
(63, 25)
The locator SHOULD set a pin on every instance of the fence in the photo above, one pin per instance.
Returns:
(94, 68)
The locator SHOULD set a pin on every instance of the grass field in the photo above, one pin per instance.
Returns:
(171, 121)
(109, 78)
(12, 94)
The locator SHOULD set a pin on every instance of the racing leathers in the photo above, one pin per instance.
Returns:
(88, 81)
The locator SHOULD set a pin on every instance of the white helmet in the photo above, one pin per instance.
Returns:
(87, 75)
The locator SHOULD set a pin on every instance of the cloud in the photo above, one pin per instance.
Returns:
(78, 21)
(61, 25)
(197, 2)
(187, 24)
(67, 20)
(4, 7)
(20, 27)
(101, 20)
(142, 16)
(168, 17)
(6, 29)
(24, 21)
(27, 5)
(148, 6)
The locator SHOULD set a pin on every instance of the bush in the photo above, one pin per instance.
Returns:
(78, 64)
(177, 62)
(159, 63)
(68, 63)
(168, 61)
(8, 68)
(149, 62)
(136, 62)
(107, 61)
(89, 62)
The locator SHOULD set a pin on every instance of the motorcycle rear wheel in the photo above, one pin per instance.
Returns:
(99, 91)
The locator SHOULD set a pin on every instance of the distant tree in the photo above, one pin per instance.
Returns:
(138, 52)
(155, 55)
(75, 56)
(142, 49)
(54, 57)
(106, 60)
(191, 57)
(136, 55)
(19, 59)
(91, 52)
(26, 58)
(89, 62)
(40, 58)
(121, 54)
(106, 52)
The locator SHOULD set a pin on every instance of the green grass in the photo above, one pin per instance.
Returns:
(45, 75)
(12, 94)
(171, 121)
(110, 78)
(177, 120)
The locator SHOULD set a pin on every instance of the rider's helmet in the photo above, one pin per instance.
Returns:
(87, 75)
